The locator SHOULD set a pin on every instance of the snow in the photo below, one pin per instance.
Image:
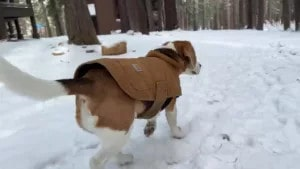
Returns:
(241, 112)
(92, 9)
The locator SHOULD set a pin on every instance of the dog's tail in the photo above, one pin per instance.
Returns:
(24, 84)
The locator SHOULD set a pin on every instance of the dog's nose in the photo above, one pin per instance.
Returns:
(199, 65)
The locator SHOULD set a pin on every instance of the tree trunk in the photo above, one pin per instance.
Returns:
(80, 28)
(171, 15)
(149, 8)
(203, 14)
(138, 16)
(33, 23)
(292, 7)
(142, 16)
(229, 18)
(254, 12)
(160, 15)
(249, 15)
(44, 11)
(132, 14)
(285, 14)
(56, 17)
(123, 16)
(269, 10)
(235, 13)
(216, 17)
(261, 12)
(242, 14)
(195, 23)
(226, 16)
(297, 14)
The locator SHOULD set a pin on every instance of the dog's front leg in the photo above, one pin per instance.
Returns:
(171, 114)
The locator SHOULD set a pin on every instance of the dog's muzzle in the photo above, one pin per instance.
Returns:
(197, 69)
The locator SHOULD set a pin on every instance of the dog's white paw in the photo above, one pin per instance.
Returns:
(178, 133)
(93, 164)
(124, 159)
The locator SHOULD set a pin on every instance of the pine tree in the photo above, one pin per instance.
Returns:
(297, 14)
(286, 14)
(249, 14)
(261, 12)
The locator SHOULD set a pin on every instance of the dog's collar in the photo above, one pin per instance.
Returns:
(168, 55)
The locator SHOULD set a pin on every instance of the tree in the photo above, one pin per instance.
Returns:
(55, 12)
(143, 22)
(254, 12)
(229, 14)
(80, 28)
(261, 12)
(285, 14)
(45, 16)
(160, 14)
(137, 14)
(297, 14)
(249, 14)
(123, 16)
(171, 15)
(241, 13)
(149, 8)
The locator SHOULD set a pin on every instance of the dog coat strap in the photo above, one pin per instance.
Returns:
(160, 98)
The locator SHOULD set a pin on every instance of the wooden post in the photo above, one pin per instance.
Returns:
(10, 29)
(3, 31)
(19, 33)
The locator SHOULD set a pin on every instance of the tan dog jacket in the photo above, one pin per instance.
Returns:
(151, 78)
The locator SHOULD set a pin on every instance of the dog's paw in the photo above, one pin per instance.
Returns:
(124, 159)
(149, 128)
(178, 133)
(93, 164)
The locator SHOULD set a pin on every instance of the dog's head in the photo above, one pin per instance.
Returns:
(186, 52)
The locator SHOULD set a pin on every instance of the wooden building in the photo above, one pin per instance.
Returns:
(9, 14)
(105, 15)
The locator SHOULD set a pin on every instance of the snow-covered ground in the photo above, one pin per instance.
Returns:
(249, 90)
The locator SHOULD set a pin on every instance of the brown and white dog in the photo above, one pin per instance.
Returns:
(102, 107)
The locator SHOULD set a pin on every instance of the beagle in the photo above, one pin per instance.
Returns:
(104, 107)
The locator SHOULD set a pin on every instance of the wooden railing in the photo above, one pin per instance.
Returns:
(11, 10)
(13, 5)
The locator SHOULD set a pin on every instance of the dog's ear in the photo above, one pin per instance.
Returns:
(189, 54)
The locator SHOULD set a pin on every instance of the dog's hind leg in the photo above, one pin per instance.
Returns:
(112, 143)
(124, 159)
(150, 126)
(171, 114)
